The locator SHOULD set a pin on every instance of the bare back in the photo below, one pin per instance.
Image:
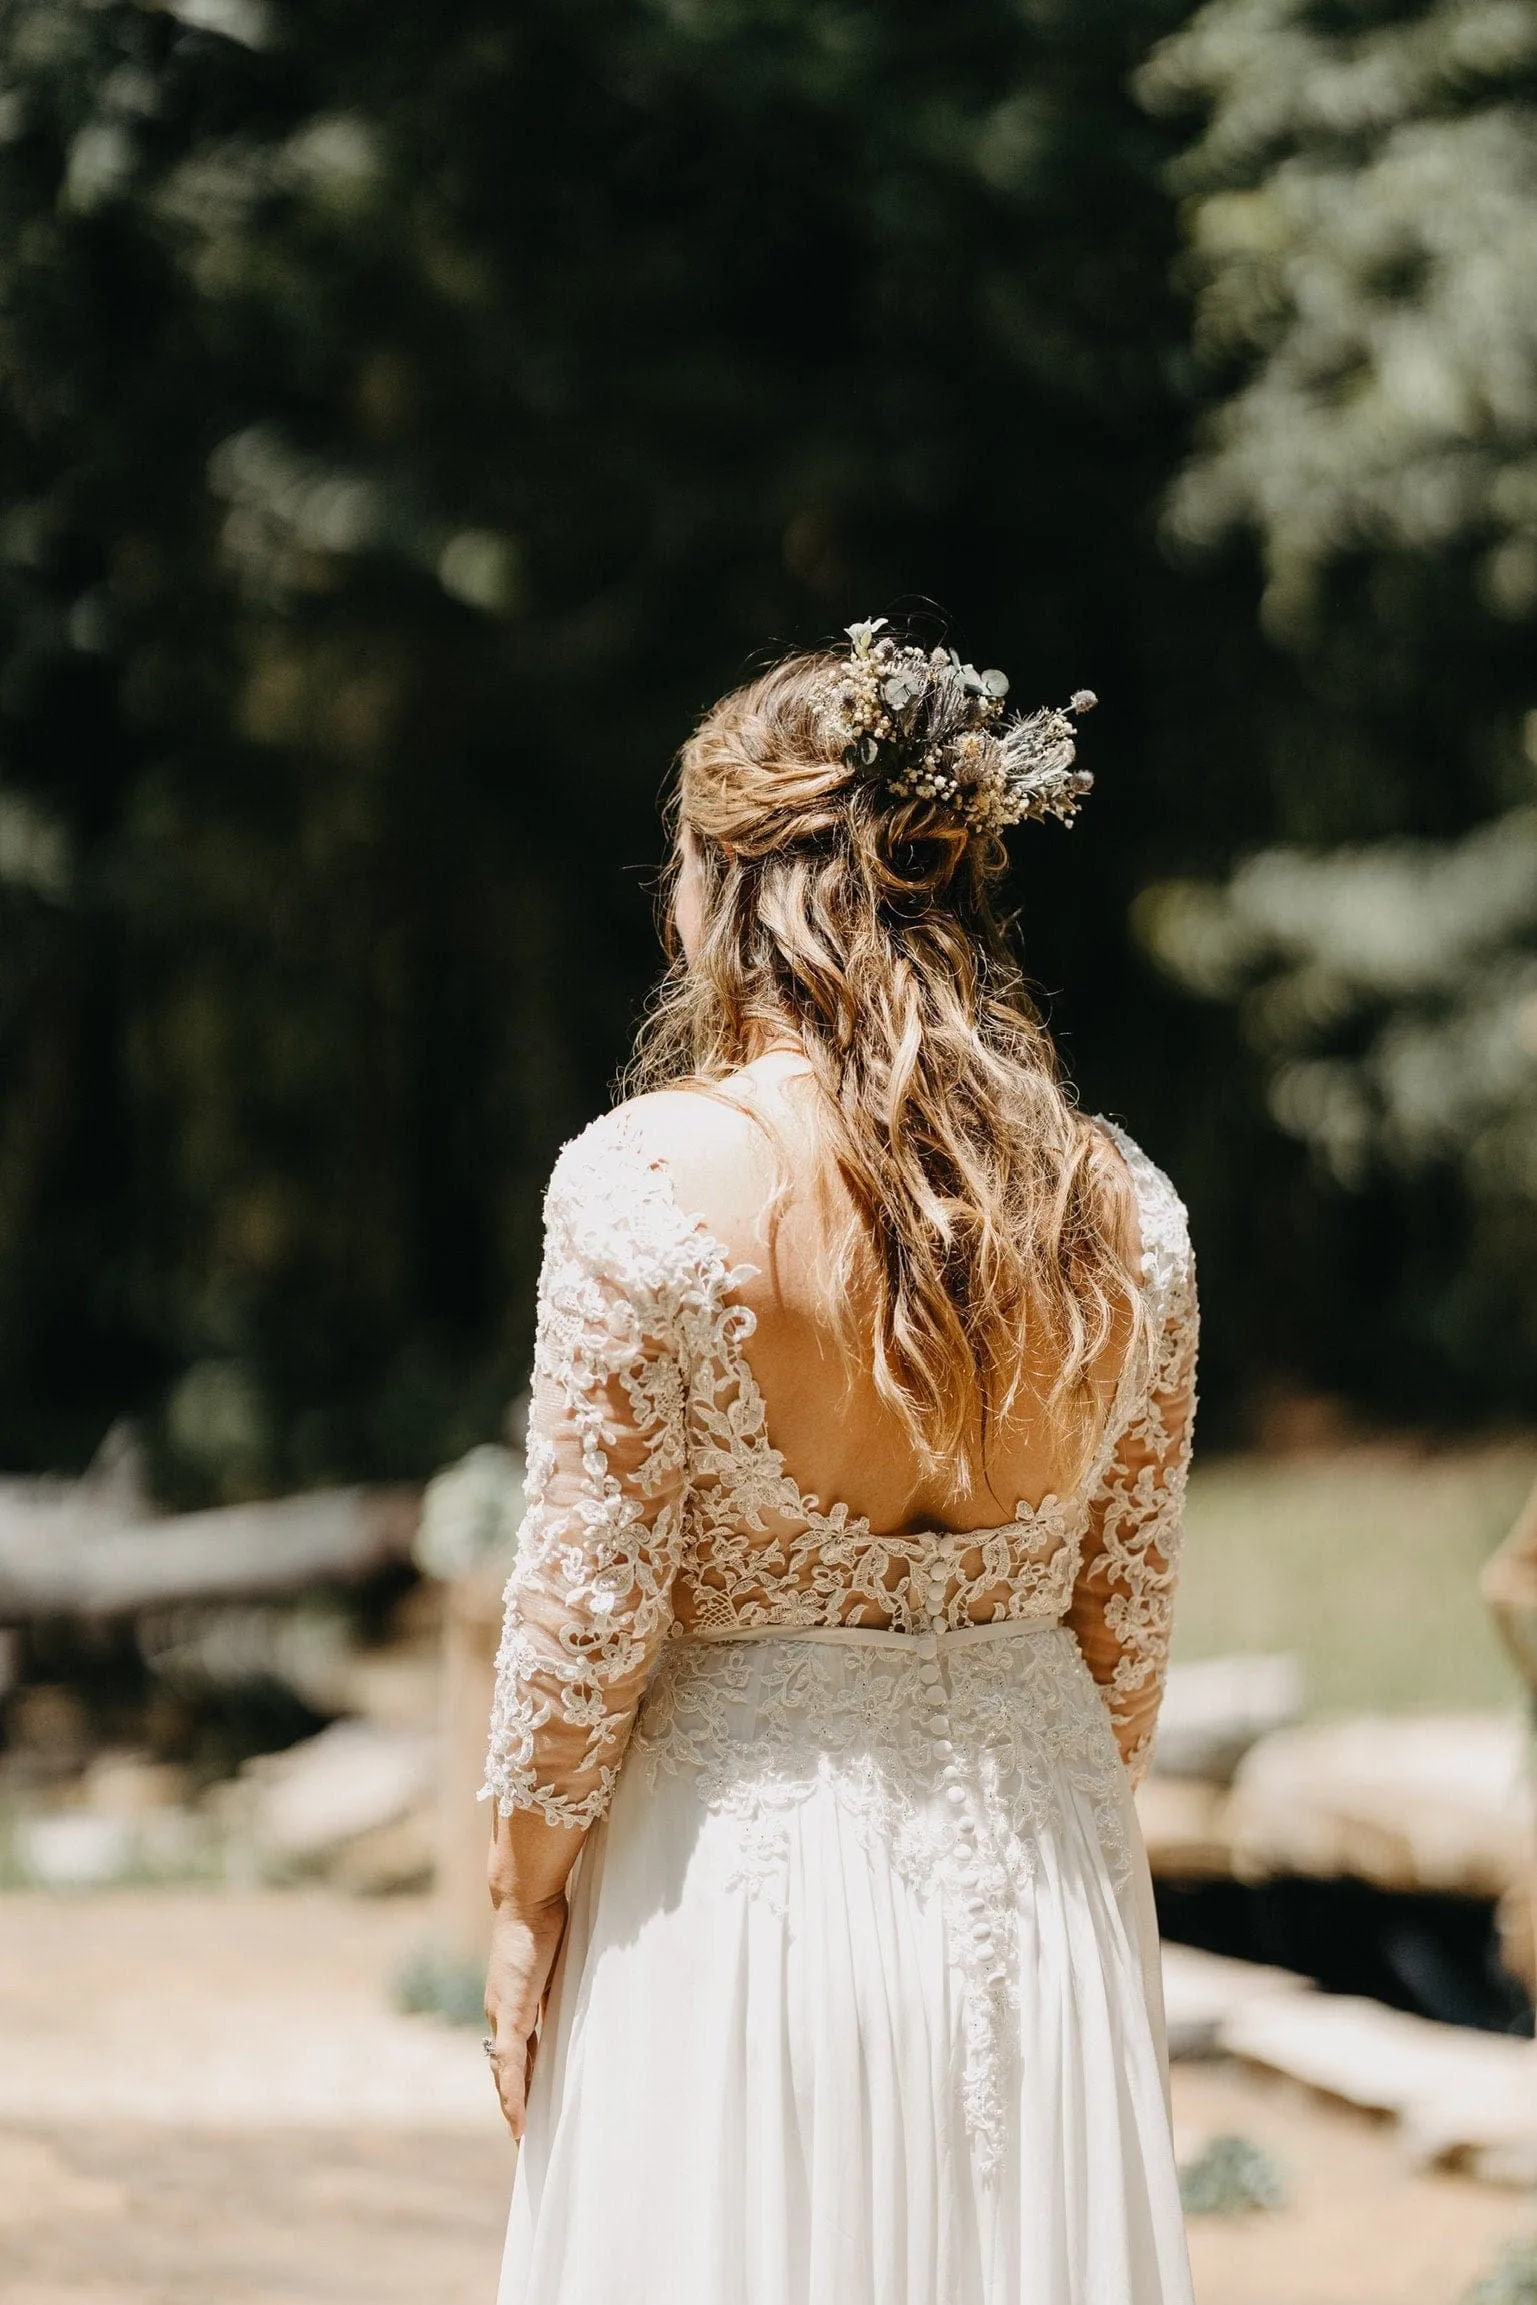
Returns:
(748, 1162)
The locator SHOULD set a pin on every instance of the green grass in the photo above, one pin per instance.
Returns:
(1365, 1560)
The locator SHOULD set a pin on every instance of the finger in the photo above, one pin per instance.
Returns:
(512, 2090)
(509, 2029)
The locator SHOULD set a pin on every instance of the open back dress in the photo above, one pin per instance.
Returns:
(859, 1999)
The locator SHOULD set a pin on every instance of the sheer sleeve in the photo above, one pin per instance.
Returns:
(1123, 1601)
(589, 1600)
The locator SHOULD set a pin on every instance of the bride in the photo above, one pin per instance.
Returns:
(825, 1968)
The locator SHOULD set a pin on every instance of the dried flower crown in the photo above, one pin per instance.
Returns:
(929, 727)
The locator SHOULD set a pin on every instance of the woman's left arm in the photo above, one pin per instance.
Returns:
(1123, 1602)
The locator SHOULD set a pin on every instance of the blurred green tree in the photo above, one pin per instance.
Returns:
(1359, 206)
(407, 421)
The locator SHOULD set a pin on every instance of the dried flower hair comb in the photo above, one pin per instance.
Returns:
(929, 727)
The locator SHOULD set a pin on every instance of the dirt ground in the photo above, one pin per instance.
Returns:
(205, 2100)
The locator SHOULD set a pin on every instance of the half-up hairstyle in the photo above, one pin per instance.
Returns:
(857, 922)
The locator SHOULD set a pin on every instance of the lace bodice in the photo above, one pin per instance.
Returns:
(658, 1506)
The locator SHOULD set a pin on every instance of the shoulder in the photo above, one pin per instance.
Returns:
(693, 1129)
(696, 1135)
(640, 1192)
(628, 1266)
(1162, 1221)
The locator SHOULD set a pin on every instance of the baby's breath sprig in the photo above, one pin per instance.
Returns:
(928, 727)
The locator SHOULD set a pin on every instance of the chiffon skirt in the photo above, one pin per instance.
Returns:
(859, 2000)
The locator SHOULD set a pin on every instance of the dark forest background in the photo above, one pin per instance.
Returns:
(410, 418)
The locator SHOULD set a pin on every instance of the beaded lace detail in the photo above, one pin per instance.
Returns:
(951, 1760)
(659, 1508)
(1123, 1602)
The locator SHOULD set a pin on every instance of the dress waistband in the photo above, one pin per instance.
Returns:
(926, 1644)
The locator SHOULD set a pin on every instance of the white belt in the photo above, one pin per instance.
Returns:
(925, 1644)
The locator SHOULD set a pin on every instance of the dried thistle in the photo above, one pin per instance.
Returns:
(928, 727)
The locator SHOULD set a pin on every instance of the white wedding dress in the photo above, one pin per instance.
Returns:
(859, 1999)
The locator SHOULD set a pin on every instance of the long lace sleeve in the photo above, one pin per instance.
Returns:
(589, 1601)
(1123, 1601)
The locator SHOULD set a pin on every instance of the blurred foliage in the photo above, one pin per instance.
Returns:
(1513, 2281)
(1360, 210)
(1360, 202)
(409, 419)
(1394, 989)
(1230, 2175)
(430, 1983)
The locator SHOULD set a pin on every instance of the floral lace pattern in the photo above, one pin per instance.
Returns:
(951, 1754)
(633, 1318)
(657, 1507)
(1123, 1602)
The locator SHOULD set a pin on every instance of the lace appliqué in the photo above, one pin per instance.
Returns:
(632, 1307)
(1139, 1506)
(657, 1504)
(951, 1760)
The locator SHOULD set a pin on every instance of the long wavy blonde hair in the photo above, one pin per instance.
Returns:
(863, 930)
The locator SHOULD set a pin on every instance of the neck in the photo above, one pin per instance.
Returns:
(768, 1036)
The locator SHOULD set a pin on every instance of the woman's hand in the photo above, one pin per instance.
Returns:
(527, 1867)
(523, 1951)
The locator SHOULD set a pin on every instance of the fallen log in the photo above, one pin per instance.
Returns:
(1458, 2096)
(1205, 1992)
(1215, 1711)
(303, 1805)
(63, 1554)
(1437, 1803)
